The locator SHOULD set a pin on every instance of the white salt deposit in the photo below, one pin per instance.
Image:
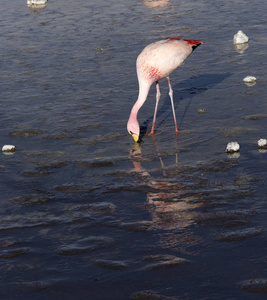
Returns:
(8, 148)
(249, 79)
(240, 37)
(36, 2)
(232, 147)
(36, 5)
(262, 143)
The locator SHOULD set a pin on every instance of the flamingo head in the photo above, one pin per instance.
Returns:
(133, 128)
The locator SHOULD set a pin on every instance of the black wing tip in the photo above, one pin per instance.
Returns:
(195, 46)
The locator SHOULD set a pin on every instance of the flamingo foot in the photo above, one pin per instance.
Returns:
(151, 132)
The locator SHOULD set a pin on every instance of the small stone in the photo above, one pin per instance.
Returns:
(36, 2)
(240, 37)
(201, 111)
(36, 6)
(8, 148)
(232, 147)
(262, 144)
(249, 79)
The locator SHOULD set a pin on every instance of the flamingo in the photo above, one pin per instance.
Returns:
(158, 60)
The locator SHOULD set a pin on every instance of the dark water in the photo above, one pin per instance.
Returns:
(86, 214)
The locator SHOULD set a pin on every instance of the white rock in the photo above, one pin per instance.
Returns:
(262, 143)
(249, 79)
(36, 2)
(8, 148)
(36, 5)
(240, 37)
(232, 147)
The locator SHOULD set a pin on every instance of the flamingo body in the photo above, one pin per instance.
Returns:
(157, 61)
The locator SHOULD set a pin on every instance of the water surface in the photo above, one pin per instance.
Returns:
(85, 213)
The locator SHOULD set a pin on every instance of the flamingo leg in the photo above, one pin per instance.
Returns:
(173, 111)
(156, 108)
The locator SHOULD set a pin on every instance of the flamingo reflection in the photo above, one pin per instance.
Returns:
(172, 205)
(155, 3)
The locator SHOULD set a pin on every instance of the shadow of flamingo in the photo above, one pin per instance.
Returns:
(187, 89)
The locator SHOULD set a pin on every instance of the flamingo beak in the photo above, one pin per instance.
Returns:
(135, 137)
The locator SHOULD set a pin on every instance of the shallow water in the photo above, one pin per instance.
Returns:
(85, 213)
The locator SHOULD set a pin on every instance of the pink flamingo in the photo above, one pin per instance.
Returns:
(157, 61)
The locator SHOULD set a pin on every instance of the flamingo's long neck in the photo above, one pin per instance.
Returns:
(143, 92)
(133, 125)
